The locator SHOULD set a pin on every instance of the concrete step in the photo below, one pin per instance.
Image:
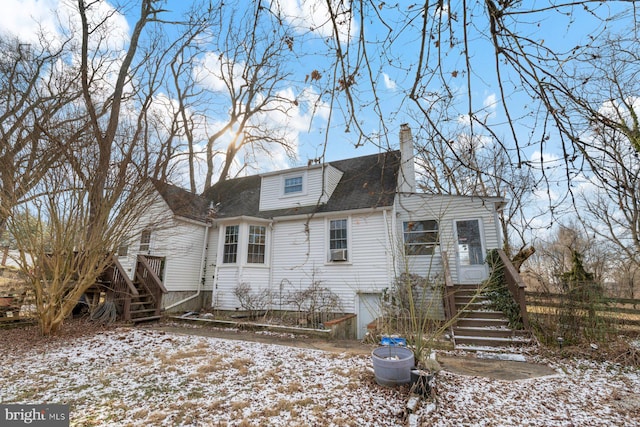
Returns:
(477, 305)
(464, 340)
(470, 299)
(145, 319)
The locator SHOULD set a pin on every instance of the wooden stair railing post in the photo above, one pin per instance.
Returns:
(449, 290)
(516, 286)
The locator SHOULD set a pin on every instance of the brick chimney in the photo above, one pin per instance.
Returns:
(407, 176)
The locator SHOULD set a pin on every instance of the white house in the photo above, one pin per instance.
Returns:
(352, 225)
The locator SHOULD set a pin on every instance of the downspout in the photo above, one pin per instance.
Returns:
(269, 256)
(389, 245)
(396, 251)
(203, 257)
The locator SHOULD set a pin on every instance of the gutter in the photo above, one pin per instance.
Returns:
(203, 257)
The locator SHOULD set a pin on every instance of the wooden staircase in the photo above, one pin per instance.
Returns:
(479, 327)
(140, 299)
(474, 325)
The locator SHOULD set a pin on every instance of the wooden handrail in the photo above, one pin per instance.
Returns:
(154, 277)
(121, 275)
(147, 277)
(449, 289)
(516, 286)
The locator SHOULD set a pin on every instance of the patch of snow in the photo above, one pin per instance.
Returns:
(502, 356)
(149, 377)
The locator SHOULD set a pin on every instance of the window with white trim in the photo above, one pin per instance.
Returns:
(123, 249)
(257, 244)
(293, 185)
(231, 236)
(420, 237)
(145, 240)
(338, 239)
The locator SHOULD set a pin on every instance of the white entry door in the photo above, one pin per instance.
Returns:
(368, 311)
(470, 252)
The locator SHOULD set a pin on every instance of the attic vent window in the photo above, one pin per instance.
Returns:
(293, 185)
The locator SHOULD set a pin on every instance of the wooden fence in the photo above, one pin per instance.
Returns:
(621, 312)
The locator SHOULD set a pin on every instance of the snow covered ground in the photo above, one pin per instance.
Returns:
(135, 377)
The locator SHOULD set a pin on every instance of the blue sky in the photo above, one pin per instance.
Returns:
(21, 17)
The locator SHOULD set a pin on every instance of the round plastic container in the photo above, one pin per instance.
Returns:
(392, 365)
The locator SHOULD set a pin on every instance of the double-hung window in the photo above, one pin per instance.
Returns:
(293, 185)
(145, 241)
(338, 239)
(257, 244)
(420, 237)
(231, 234)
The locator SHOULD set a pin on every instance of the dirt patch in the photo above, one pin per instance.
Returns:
(496, 369)
(289, 340)
(464, 365)
(25, 339)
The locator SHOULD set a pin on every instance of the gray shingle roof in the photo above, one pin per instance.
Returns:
(182, 202)
(367, 182)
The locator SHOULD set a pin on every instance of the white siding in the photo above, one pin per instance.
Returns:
(332, 178)
(182, 248)
(445, 209)
(226, 281)
(300, 258)
(298, 251)
(180, 242)
(314, 190)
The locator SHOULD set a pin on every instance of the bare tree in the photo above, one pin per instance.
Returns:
(444, 55)
(34, 93)
(83, 208)
(607, 106)
(554, 257)
(232, 99)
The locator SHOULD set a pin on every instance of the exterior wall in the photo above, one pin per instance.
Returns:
(297, 251)
(299, 258)
(194, 304)
(299, 261)
(317, 181)
(333, 176)
(445, 209)
(179, 241)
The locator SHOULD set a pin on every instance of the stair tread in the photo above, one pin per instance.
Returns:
(143, 310)
(481, 311)
(145, 319)
(481, 338)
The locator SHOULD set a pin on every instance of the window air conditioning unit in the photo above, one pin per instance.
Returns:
(338, 254)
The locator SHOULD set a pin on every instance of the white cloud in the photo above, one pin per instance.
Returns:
(488, 111)
(55, 19)
(313, 15)
(215, 68)
(24, 18)
(388, 83)
(490, 102)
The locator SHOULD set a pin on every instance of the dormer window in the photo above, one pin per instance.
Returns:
(293, 185)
